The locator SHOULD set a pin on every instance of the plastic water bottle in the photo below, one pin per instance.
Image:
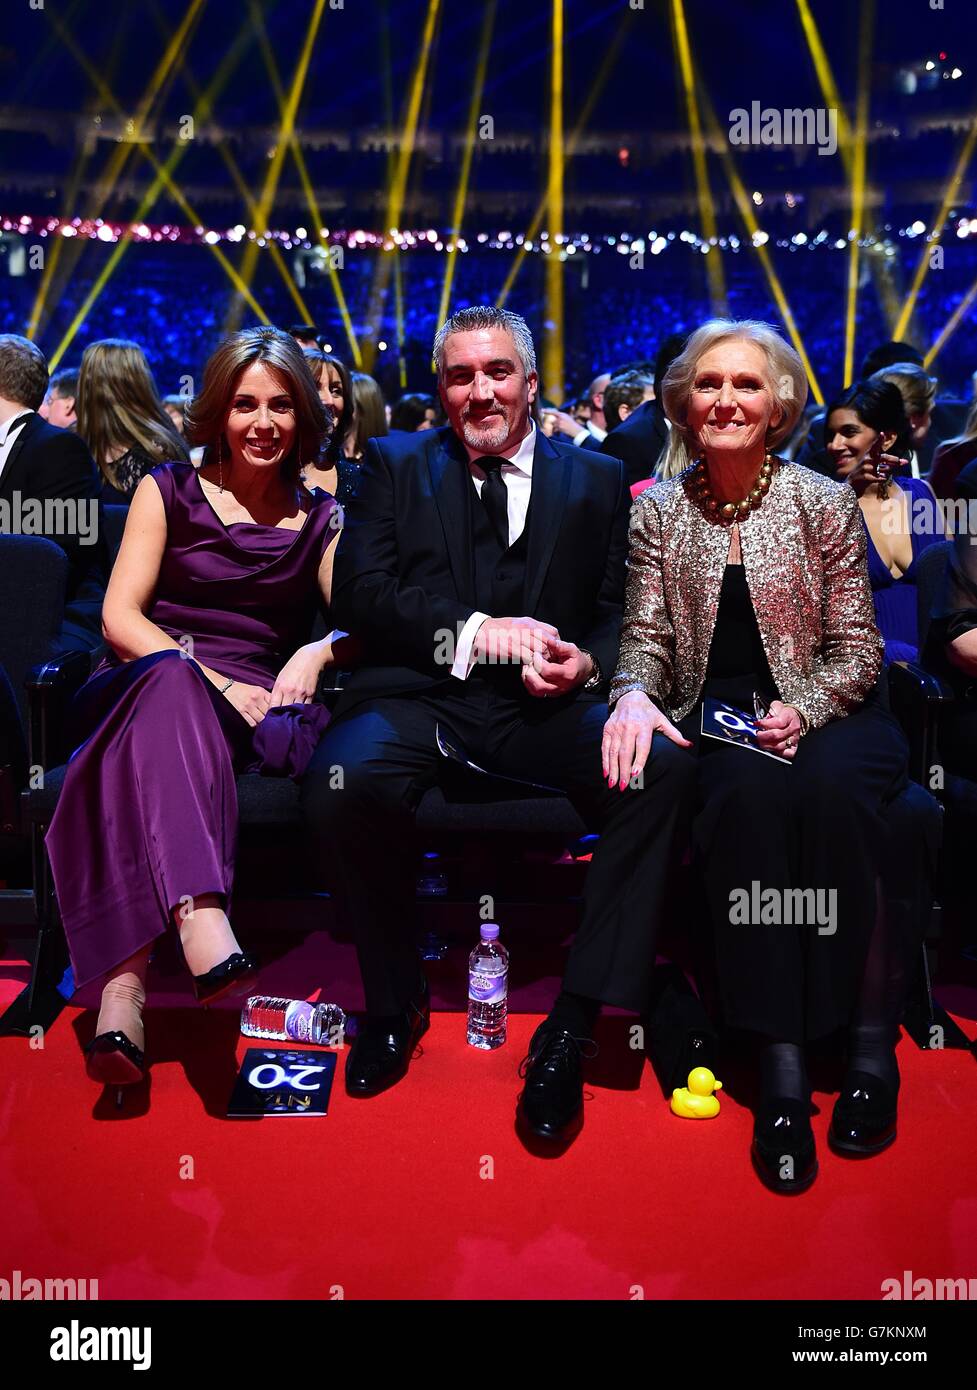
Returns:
(488, 980)
(293, 1020)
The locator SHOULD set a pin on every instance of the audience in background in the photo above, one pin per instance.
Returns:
(953, 456)
(623, 396)
(58, 406)
(918, 391)
(306, 335)
(175, 407)
(43, 463)
(334, 472)
(414, 412)
(369, 416)
(865, 435)
(121, 417)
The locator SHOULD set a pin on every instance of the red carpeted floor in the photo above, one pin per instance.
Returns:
(426, 1192)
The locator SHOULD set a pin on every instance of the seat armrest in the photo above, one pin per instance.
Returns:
(50, 689)
(917, 698)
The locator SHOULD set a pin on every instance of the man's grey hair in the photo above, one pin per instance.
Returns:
(486, 316)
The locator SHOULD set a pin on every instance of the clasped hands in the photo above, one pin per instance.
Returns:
(295, 684)
(550, 666)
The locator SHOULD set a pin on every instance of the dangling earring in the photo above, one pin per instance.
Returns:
(220, 464)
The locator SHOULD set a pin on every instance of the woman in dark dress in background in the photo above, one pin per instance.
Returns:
(334, 472)
(865, 431)
(211, 598)
(122, 419)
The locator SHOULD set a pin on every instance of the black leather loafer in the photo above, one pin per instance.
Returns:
(783, 1149)
(234, 973)
(551, 1104)
(382, 1048)
(113, 1059)
(863, 1121)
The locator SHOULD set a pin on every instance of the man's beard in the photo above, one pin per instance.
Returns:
(478, 439)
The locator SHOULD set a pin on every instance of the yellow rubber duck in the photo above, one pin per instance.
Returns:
(697, 1102)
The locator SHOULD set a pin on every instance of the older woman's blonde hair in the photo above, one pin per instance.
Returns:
(786, 378)
(281, 354)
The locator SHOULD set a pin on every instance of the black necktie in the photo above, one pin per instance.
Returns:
(495, 498)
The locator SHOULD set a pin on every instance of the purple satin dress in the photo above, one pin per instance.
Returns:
(148, 814)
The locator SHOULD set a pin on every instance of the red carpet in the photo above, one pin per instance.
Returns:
(387, 1199)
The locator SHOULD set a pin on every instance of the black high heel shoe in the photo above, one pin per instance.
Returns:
(230, 974)
(112, 1059)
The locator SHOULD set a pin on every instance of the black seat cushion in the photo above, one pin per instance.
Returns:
(274, 801)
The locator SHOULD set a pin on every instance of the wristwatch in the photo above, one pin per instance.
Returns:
(596, 678)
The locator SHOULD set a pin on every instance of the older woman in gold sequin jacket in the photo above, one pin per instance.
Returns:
(747, 584)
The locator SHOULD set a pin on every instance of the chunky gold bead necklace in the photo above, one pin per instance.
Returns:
(732, 511)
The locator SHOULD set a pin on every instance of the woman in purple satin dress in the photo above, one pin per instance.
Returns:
(864, 430)
(210, 601)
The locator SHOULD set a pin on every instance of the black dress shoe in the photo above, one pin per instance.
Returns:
(551, 1103)
(783, 1150)
(114, 1060)
(234, 973)
(864, 1118)
(381, 1051)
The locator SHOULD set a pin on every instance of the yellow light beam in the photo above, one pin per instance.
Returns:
(553, 340)
(461, 192)
(306, 182)
(951, 325)
(949, 197)
(714, 264)
(230, 163)
(398, 186)
(829, 87)
(122, 151)
(162, 180)
(749, 217)
(597, 87)
(865, 34)
(270, 187)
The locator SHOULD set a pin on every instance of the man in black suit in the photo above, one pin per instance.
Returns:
(483, 567)
(49, 486)
(639, 439)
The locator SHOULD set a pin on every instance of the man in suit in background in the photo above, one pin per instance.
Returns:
(41, 465)
(483, 566)
(639, 439)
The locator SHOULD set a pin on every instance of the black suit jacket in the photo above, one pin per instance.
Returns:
(638, 441)
(403, 578)
(45, 462)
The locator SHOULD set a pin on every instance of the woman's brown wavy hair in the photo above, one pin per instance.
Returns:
(208, 411)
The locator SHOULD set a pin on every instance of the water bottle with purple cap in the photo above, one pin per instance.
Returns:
(488, 978)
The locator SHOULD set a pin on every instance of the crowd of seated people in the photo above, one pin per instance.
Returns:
(239, 486)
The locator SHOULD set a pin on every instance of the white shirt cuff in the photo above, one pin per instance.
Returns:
(462, 663)
(582, 436)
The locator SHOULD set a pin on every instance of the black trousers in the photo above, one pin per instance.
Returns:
(815, 827)
(388, 756)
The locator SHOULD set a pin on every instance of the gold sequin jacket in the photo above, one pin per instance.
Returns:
(804, 555)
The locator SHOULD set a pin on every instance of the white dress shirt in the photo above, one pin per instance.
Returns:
(518, 475)
(9, 431)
